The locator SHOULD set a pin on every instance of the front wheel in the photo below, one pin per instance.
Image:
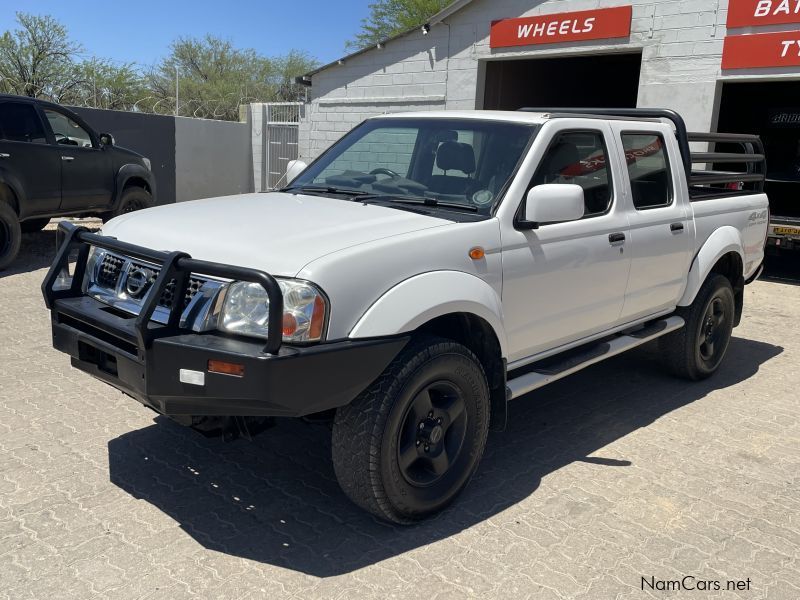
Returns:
(408, 445)
(133, 199)
(696, 351)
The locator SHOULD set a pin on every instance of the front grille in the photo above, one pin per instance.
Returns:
(115, 270)
(168, 295)
(109, 272)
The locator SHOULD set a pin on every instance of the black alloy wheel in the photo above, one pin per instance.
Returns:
(432, 435)
(407, 446)
(696, 350)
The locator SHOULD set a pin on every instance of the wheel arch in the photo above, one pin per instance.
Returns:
(453, 305)
(132, 175)
(723, 253)
(11, 192)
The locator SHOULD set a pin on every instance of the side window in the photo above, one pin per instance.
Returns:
(20, 123)
(581, 158)
(648, 168)
(67, 131)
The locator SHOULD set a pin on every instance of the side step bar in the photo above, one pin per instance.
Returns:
(548, 371)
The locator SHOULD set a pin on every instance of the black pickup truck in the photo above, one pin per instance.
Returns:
(52, 163)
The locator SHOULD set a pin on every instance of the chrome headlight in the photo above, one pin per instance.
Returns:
(245, 311)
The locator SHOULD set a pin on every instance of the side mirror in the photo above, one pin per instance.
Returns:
(106, 139)
(553, 203)
(293, 169)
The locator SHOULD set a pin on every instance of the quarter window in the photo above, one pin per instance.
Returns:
(20, 123)
(580, 158)
(648, 168)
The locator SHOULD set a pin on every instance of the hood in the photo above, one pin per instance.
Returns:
(274, 232)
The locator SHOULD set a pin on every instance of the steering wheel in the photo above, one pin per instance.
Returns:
(383, 171)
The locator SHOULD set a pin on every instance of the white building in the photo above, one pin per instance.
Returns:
(505, 54)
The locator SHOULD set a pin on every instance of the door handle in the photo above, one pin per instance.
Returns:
(615, 238)
(676, 227)
(4, 155)
(68, 158)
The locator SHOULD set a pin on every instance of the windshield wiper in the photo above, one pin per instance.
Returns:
(416, 200)
(327, 189)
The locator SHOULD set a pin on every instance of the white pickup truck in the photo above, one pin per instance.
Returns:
(424, 271)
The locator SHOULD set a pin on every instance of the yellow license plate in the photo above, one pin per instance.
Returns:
(786, 231)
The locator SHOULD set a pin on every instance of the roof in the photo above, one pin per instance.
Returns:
(434, 20)
(531, 118)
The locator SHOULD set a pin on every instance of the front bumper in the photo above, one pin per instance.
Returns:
(145, 360)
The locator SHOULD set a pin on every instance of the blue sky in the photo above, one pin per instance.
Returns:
(141, 31)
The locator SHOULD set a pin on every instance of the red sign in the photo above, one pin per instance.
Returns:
(748, 13)
(597, 162)
(604, 23)
(760, 50)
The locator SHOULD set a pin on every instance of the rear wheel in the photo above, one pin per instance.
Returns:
(410, 443)
(10, 235)
(697, 350)
(133, 199)
(34, 225)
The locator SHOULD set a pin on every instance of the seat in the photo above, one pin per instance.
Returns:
(453, 156)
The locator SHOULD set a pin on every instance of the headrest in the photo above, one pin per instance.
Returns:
(561, 156)
(455, 155)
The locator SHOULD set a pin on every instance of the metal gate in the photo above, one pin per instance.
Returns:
(280, 137)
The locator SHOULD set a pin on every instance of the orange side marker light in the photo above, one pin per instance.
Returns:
(477, 253)
(225, 368)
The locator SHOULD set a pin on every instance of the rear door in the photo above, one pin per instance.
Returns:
(87, 176)
(27, 160)
(660, 218)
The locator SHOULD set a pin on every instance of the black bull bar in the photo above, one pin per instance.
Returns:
(177, 266)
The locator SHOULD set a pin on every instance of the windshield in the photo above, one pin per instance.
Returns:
(453, 163)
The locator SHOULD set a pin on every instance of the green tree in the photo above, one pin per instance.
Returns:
(389, 18)
(38, 59)
(103, 84)
(214, 78)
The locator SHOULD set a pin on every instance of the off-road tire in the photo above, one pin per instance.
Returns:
(367, 433)
(683, 349)
(133, 199)
(34, 225)
(10, 235)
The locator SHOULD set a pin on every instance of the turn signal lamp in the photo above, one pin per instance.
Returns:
(225, 368)
(477, 253)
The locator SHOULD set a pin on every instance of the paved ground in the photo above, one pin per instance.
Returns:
(614, 475)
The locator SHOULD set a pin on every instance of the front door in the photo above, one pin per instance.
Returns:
(660, 235)
(28, 162)
(87, 175)
(566, 281)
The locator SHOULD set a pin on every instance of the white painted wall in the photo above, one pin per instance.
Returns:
(681, 43)
(212, 158)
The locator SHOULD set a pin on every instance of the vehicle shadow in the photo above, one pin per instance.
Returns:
(276, 500)
(782, 269)
(38, 250)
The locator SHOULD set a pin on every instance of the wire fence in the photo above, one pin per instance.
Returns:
(222, 106)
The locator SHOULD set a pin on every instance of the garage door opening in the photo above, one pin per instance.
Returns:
(609, 80)
(772, 111)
